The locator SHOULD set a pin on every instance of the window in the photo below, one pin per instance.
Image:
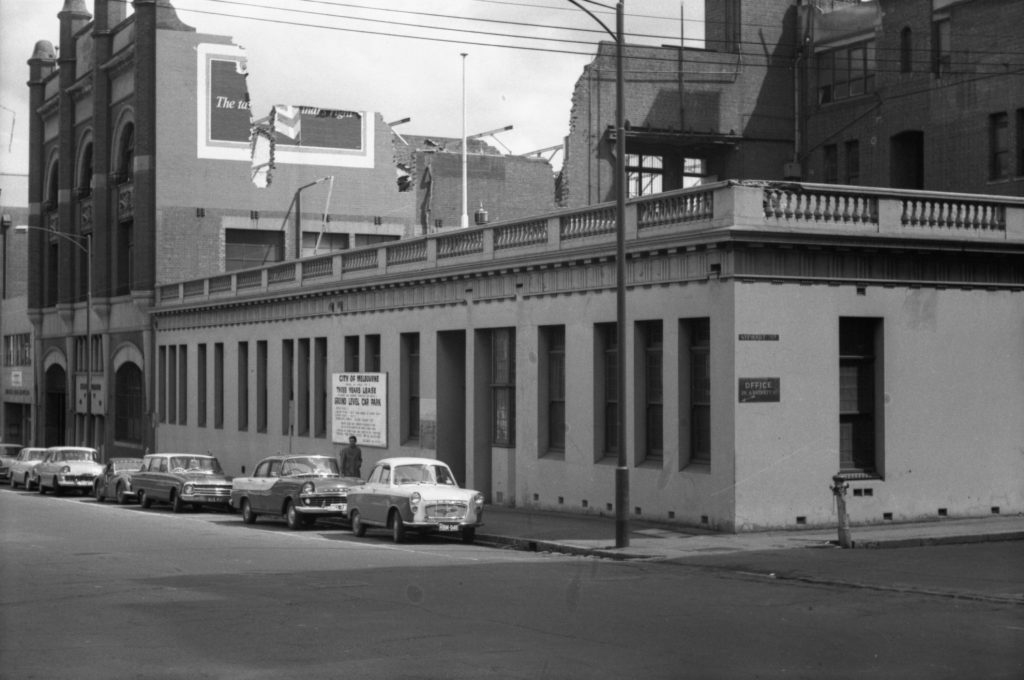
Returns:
(650, 340)
(182, 384)
(315, 243)
(243, 386)
(17, 350)
(694, 171)
(351, 353)
(125, 257)
(846, 72)
(503, 387)
(410, 370)
(126, 155)
(606, 377)
(246, 248)
(553, 385)
(695, 384)
(942, 55)
(372, 354)
(643, 175)
(852, 149)
(1020, 142)
(172, 384)
(320, 406)
(84, 180)
(302, 387)
(162, 381)
(859, 382)
(831, 162)
(218, 385)
(201, 385)
(998, 146)
(129, 404)
(262, 351)
(288, 396)
(906, 50)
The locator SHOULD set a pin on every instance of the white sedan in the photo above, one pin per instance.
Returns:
(414, 494)
(68, 468)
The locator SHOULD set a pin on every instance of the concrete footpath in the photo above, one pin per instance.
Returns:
(595, 536)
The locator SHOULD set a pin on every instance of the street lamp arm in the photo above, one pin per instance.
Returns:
(597, 19)
(78, 241)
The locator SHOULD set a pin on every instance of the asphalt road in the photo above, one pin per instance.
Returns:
(93, 590)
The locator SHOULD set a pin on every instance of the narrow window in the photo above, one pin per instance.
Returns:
(698, 333)
(553, 385)
(859, 380)
(503, 394)
(650, 333)
(182, 384)
(999, 146)
(201, 385)
(1020, 142)
(243, 386)
(942, 55)
(172, 384)
(831, 169)
(302, 388)
(162, 382)
(320, 387)
(351, 353)
(852, 161)
(287, 386)
(261, 385)
(218, 385)
(906, 50)
(373, 353)
(410, 371)
(606, 372)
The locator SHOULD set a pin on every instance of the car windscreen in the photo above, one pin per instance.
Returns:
(309, 465)
(194, 464)
(130, 465)
(76, 454)
(423, 474)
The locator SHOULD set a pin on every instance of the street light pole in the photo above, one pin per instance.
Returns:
(465, 210)
(622, 468)
(83, 243)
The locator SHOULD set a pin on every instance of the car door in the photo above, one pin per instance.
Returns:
(260, 486)
(377, 498)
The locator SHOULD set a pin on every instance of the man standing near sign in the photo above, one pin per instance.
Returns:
(351, 459)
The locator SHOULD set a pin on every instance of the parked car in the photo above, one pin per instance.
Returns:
(22, 469)
(300, 487)
(67, 468)
(8, 454)
(182, 479)
(418, 494)
(116, 480)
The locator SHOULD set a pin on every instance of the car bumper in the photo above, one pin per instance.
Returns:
(78, 483)
(205, 499)
(313, 506)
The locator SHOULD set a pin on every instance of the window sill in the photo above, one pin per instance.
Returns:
(858, 475)
(553, 455)
(701, 468)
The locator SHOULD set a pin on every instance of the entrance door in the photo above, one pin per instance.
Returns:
(451, 402)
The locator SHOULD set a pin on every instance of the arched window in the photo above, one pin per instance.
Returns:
(129, 404)
(52, 190)
(126, 154)
(906, 50)
(83, 178)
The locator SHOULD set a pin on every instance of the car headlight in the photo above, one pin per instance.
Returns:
(478, 501)
(188, 489)
(308, 487)
(415, 497)
(65, 470)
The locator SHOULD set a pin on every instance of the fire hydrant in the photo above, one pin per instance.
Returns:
(839, 487)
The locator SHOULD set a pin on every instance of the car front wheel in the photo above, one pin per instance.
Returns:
(248, 516)
(397, 527)
(291, 515)
(358, 528)
(39, 486)
(122, 499)
(97, 492)
(144, 499)
(177, 505)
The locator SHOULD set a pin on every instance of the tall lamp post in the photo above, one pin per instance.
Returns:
(622, 469)
(83, 243)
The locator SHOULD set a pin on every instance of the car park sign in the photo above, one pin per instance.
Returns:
(359, 408)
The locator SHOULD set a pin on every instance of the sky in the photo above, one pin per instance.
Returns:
(401, 58)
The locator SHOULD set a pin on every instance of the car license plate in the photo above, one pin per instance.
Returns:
(448, 527)
(341, 507)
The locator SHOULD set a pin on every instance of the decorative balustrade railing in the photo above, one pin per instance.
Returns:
(282, 273)
(885, 212)
(801, 204)
(520, 234)
(662, 209)
(359, 259)
(592, 222)
(953, 214)
(317, 268)
(249, 279)
(460, 243)
(220, 284)
(408, 251)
